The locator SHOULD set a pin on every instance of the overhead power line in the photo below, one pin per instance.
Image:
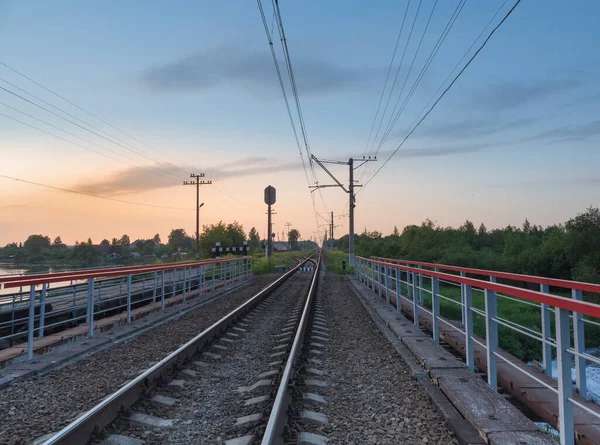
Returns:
(424, 69)
(445, 91)
(91, 194)
(277, 15)
(386, 78)
(89, 113)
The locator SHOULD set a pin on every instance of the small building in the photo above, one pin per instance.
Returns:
(135, 255)
(113, 256)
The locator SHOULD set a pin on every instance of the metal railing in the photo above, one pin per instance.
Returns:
(82, 297)
(405, 280)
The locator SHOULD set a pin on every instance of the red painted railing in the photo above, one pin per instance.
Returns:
(583, 307)
(38, 279)
(566, 284)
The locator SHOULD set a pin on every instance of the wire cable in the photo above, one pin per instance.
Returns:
(443, 93)
(91, 194)
(426, 65)
(88, 113)
(412, 64)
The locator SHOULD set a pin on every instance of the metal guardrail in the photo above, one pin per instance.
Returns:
(278, 418)
(80, 431)
(378, 271)
(88, 295)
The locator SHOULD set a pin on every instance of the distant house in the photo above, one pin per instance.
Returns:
(113, 256)
(279, 246)
(135, 255)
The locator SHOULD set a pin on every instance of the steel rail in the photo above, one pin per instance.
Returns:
(101, 415)
(273, 434)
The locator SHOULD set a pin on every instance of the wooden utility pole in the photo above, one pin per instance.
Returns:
(197, 183)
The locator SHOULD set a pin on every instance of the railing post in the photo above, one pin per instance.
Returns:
(415, 299)
(565, 384)
(184, 285)
(435, 307)
(462, 301)
(373, 277)
(155, 286)
(42, 311)
(128, 299)
(90, 307)
(200, 280)
(31, 323)
(546, 334)
(579, 343)
(162, 294)
(214, 275)
(420, 286)
(491, 337)
(398, 290)
(386, 284)
(468, 294)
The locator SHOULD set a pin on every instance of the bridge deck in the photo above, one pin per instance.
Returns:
(526, 389)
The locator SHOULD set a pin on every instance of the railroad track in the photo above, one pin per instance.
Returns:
(195, 382)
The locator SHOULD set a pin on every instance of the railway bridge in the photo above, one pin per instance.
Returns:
(397, 351)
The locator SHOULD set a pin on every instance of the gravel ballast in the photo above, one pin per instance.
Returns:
(372, 397)
(209, 402)
(40, 405)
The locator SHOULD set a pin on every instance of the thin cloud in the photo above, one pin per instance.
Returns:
(585, 182)
(474, 128)
(249, 70)
(570, 133)
(160, 176)
(511, 95)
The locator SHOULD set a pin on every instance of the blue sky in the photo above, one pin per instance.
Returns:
(516, 137)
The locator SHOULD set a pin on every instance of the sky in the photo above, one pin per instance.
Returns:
(158, 90)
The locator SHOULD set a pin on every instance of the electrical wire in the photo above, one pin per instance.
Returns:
(443, 93)
(74, 123)
(91, 194)
(88, 113)
(412, 64)
(386, 78)
(284, 93)
(426, 65)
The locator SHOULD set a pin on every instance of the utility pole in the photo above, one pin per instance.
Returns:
(287, 226)
(349, 190)
(331, 233)
(197, 183)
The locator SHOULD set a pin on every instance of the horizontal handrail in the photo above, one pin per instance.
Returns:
(556, 282)
(12, 282)
(583, 307)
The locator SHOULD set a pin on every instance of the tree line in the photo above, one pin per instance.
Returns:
(569, 250)
(40, 248)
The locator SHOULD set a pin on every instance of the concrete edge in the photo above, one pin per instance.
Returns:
(464, 431)
(38, 368)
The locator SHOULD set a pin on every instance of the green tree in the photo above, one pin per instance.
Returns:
(179, 240)
(57, 243)
(156, 238)
(293, 237)
(36, 243)
(253, 239)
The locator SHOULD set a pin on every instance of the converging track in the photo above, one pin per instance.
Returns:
(205, 384)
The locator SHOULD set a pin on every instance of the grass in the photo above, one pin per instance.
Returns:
(262, 265)
(334, 262)
(519, 312)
